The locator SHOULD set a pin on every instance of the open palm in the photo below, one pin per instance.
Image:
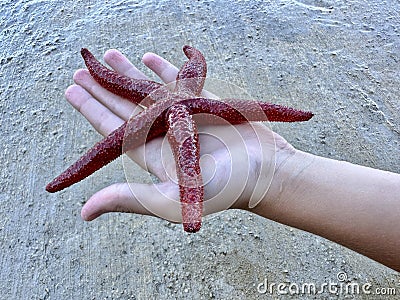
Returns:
(237, 162)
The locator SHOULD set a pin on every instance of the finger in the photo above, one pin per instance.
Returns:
(99, 116)
(143, 199)
(167, 71)
(118, 105)
(163, 68)
(122, 65)
(105, 121)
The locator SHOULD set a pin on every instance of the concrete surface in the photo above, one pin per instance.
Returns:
(340, 59)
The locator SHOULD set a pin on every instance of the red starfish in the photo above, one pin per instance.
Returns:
(169, 113)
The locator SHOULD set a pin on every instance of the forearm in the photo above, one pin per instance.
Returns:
(352, 205)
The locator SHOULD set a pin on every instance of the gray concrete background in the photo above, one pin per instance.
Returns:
(339, 59)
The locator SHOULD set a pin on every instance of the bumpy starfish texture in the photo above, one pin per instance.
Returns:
(169, 112)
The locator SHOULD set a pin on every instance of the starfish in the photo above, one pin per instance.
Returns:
(169, 113)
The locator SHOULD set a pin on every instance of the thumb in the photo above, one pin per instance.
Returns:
(161, 200)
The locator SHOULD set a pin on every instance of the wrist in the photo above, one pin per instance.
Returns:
(289, 174)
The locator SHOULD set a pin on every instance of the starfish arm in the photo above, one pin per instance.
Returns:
(184, 140)
(191, 77)
(99, 155)
(143, 128)
(238, 111)
(135, 90)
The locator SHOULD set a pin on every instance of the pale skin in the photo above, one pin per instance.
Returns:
(352, 205)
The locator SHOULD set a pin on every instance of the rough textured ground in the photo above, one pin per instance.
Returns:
(339, 59)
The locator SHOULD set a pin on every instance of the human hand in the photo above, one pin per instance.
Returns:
(237, 161)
